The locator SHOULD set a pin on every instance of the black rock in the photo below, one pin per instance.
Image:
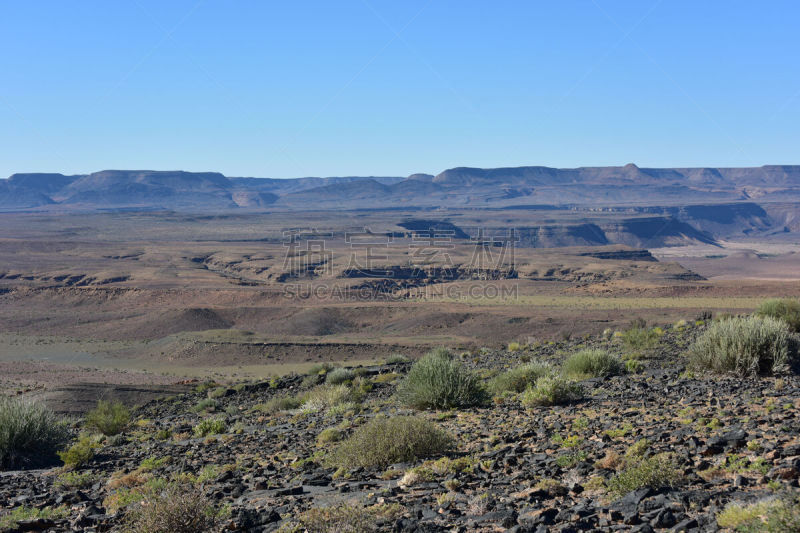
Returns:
(629, 503)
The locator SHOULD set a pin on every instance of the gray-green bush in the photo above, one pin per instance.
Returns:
(551, 390)
(345, 518)
(339, 376)
(437, 381)
(210, 426)
(30, 433)
(176, 509)
(654, 472)
(592, 363)
(785, 309)
(746, 346)
(109, 418)
(517, 379)
(384, 441)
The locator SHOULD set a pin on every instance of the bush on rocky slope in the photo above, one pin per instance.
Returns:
(176, 509)
(748, 346)
(654, 472)
(437, 381)
(384, 441)
(339, 376)
(344, 518)
(80, 453)
(785, 309)
(551, 390)
(517, 379)
(640, 339)
(109, 418)
(30, 434)
(772, 515)
(592, 363)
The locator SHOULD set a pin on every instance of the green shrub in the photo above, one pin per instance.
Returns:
(149, 464)
(109, 418)
(592, 363)
(30, 433)
(207, 404)
(329, 435)
(339, 376)
(551, 390)
(345, 518)
(632, 366)
(517, 379)
(218, 392)
(746, 346)
(384, 441)
(437, 381)
(206, 386)
(319, 369)
(75, 480)
(385, 378)
(396, 359)
(79, 453)
(10, 520)
(775, 515)
(175, 509)
(209, 426)
(785, 309)
(640, 339)
(277, 404)
(514, 346)
(655, 472)
(324, 397)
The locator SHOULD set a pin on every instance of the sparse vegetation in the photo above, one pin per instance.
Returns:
(551, 390)
(175, 509)
(277, 404)
(384, 441)
(329, 435)
(218, 392)
(785, 309)
(209, 426)
(71, 480)
(206, 386)
(396, 359)
(339, 376)
(437, 381)
(640, 339)
(206, 404)
(592, 363)
(79, 453)
(109, 418)
(325, 397)
(9, 521)
(319, 369)
(517, 379)
(344, 518)
(747, 346)
(654, 472)
(774, 515)
(30, 433)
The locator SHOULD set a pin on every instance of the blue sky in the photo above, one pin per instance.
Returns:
(369, 87)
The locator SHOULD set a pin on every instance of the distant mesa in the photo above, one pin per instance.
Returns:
(702, 203)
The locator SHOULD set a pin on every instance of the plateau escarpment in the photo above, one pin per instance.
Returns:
(696, 205)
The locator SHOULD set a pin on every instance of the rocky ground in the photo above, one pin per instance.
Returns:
(513, 467)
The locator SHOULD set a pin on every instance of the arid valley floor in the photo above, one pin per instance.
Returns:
(224, 336)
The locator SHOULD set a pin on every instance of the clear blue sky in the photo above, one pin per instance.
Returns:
(374, 87)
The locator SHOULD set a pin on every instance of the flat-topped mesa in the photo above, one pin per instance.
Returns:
(582, 189)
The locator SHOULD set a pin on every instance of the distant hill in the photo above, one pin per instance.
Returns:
(712, 201)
